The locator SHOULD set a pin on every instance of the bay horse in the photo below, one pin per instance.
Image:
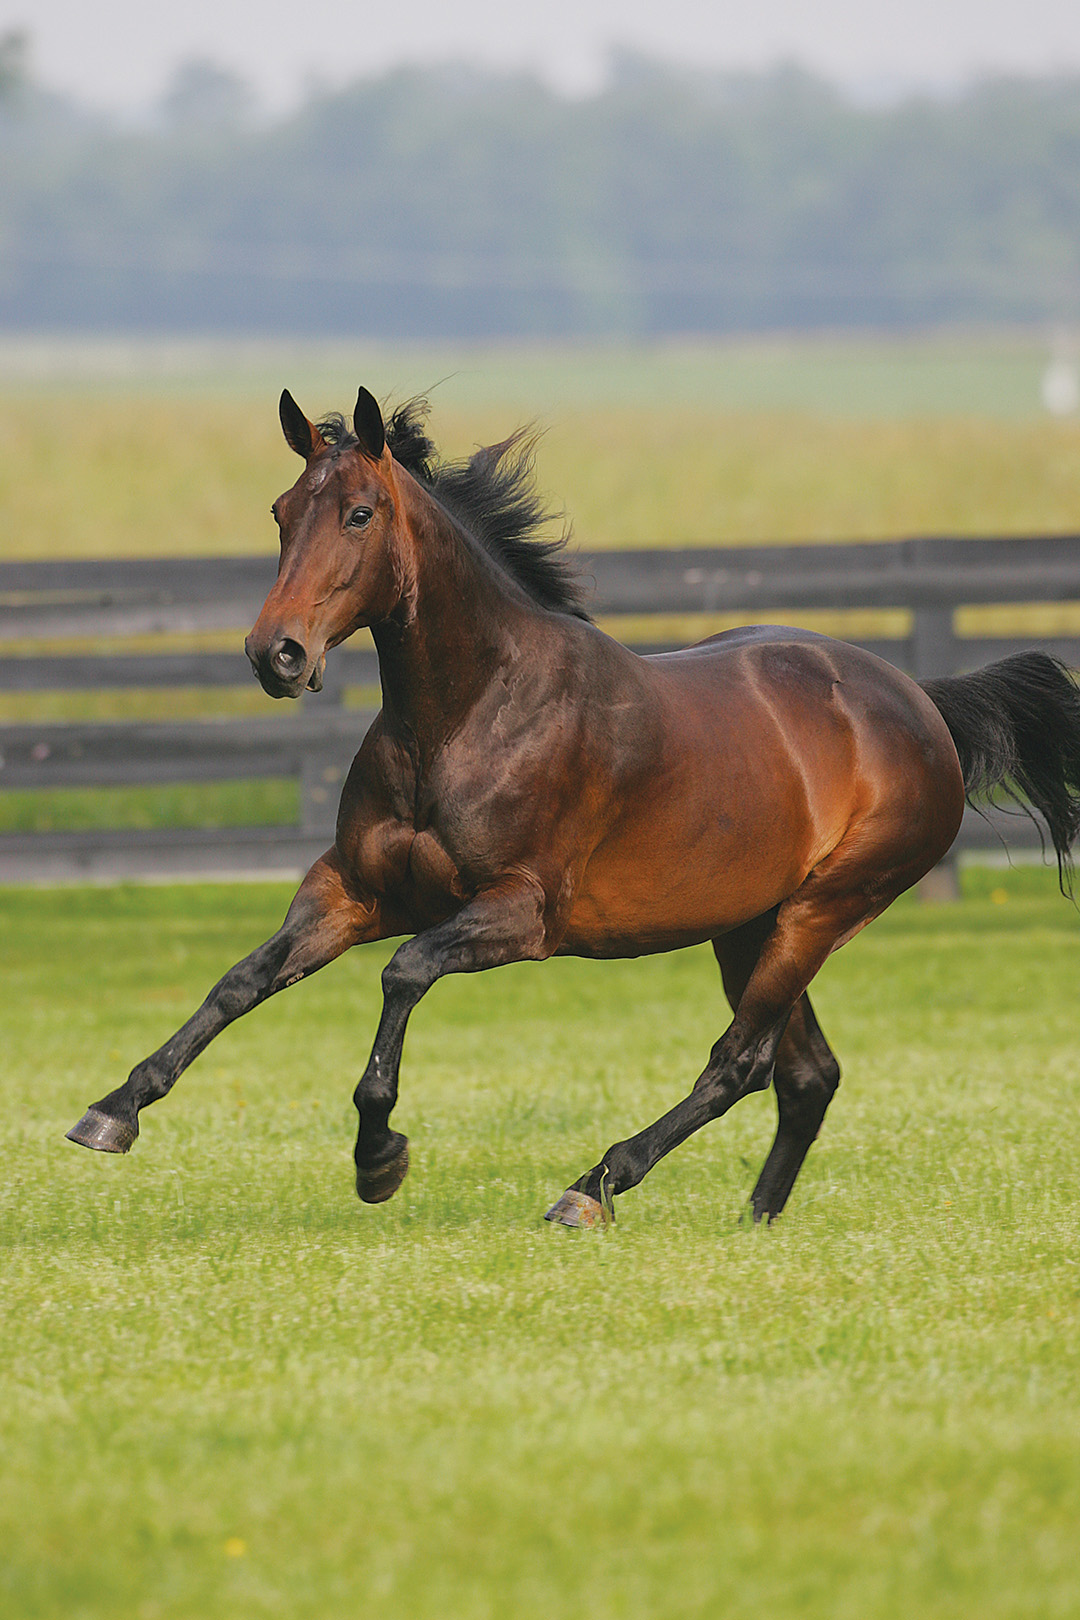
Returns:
(531, 787)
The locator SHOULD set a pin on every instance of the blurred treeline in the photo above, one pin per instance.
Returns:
(444, 202)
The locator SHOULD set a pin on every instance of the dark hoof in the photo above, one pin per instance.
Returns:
(382, 1181)
(578, 1209)
(103, 1132)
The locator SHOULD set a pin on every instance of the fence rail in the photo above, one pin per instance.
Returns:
(90, 601)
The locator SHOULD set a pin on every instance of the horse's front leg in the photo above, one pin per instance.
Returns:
(502, 924)
(324, 920)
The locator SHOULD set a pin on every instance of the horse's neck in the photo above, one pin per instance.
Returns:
(457, 627)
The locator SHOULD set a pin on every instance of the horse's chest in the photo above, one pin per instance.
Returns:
(434, 875)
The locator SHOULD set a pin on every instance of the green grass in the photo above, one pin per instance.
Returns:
(231, 1391)
(257, 801)
(136, 703)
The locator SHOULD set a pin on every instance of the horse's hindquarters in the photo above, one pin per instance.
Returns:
(770, 757)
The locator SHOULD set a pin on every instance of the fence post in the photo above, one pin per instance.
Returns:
(934, 647)
(320, 789)
(935, 652)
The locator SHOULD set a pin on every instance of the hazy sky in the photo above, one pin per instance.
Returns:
(118, 52)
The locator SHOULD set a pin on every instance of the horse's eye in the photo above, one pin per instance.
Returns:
(360, 517)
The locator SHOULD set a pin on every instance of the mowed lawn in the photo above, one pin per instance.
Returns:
(230, 1390)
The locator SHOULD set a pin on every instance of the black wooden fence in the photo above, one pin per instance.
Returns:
(72, 602)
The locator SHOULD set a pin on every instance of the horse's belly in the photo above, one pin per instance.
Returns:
(642, 893)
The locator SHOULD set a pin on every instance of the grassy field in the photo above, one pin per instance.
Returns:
(231, 1391)
(116, 452)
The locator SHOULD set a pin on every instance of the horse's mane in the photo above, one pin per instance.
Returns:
(492, 495)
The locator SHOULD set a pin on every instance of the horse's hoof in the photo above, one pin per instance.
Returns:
(375, 1186)
(103, 1132)
(578, 1209)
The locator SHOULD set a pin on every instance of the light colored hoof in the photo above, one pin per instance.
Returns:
(103, 1133)
(578, 1209)
(376, 1186)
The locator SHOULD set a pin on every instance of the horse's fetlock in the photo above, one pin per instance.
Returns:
(147, 1082)
(620, 1169)
(376, 1091)
(375, 1100)
(121, 1104)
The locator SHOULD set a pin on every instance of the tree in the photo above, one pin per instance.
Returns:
(14, 54)
(201, 96)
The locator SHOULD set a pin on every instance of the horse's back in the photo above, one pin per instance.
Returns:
(787, 669)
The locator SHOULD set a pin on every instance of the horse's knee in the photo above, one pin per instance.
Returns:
(407, 974)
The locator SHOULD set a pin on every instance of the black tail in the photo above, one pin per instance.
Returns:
(1016, 726)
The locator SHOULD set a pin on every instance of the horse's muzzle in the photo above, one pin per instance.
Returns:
(281, 667)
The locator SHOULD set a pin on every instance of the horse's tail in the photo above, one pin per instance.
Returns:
(1016, 726)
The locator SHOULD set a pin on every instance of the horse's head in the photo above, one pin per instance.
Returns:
(337, 569)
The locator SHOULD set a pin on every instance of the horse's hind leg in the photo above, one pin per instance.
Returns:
(805, 1079)
(805, 1075)
(324, 920)
(839, 898)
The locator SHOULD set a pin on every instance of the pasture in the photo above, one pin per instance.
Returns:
(231, 1391)
(110, 451)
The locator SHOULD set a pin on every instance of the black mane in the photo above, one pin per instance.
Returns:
(492, 495)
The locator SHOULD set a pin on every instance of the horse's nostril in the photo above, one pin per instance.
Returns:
(288, 658)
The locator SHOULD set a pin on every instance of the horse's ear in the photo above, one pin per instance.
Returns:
(300, 434)
(368, 424)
